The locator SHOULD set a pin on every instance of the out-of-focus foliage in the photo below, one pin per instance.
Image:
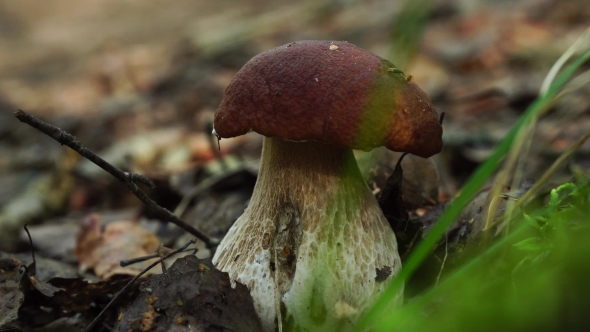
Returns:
(534, 279)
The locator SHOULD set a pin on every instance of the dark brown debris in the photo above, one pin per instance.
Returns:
(382, 273)
(192, 295)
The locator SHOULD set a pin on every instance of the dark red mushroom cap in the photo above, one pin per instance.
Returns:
(331, 92)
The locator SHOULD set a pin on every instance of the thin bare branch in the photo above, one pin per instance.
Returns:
(128, 179)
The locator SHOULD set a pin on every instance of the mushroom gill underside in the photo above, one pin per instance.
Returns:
(312, 242)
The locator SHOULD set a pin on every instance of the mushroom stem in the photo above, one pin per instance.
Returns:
(313, 233)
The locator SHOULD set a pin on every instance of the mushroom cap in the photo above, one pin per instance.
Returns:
(332, 92)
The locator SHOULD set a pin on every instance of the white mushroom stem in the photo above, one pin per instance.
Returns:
(313, 235)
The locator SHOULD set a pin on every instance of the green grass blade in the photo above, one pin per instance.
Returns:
(406, 312)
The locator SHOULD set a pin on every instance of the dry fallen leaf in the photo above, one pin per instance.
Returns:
(192, 296)
(102, 250)
(420, 177)
(11, 297)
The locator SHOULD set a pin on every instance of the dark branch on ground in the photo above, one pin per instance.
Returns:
(132, 281)
(128, 179)
(127, 262)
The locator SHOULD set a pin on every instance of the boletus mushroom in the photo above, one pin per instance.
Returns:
(313, 247)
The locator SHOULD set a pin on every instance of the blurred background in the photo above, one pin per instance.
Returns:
(138, 82)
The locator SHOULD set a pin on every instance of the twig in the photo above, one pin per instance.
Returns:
(128, 179)
(31, 243)
(202, 187)
(442, 266)
(127, 262)
(132, 281)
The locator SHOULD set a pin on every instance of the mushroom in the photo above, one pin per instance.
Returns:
(313, 246)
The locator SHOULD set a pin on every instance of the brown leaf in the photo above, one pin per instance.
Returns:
(420, 179)
(79, 294)
(76, 296)
(46, 289)
(11, 297)
(191, 296)
(102, 250)
(31, 272)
